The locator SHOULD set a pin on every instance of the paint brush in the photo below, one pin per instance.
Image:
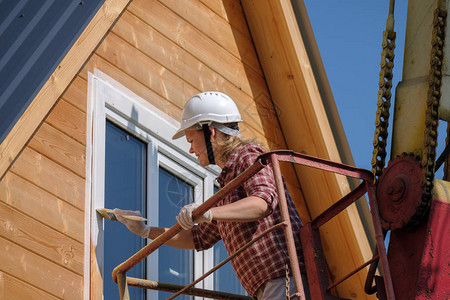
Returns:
(108, 214)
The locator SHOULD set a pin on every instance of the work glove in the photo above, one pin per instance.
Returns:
(137, 227)
(184, 218)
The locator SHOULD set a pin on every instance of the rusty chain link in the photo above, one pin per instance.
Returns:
(288, 283)
(383, 103)
(432, 113)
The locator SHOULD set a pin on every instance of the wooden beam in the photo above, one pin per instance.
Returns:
(64, 73)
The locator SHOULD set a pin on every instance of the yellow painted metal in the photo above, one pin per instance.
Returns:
(444, 107)
(440, 190)
(411, 93)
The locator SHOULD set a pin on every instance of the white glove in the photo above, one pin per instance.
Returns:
(184, 218)
(137, 227)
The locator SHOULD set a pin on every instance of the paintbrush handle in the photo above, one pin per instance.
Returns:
(109, 214)
(134, 218)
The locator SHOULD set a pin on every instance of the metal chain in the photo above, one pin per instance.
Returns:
(383, 103)
(288, 283)
(432, 114)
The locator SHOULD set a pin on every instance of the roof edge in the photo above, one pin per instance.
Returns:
(57, 83)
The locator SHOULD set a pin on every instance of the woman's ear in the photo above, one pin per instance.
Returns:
(212, 132)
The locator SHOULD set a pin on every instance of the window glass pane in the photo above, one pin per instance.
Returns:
(125, 188)
(225, 279)
(175, 265)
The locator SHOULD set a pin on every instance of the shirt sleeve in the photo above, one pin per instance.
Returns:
(205, 235)
(262, 184)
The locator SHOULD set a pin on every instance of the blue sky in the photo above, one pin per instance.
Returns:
(349, 36)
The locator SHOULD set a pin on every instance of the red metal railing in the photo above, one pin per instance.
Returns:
(315, 262)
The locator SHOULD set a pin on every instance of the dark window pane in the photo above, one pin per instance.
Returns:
(176, 266)
(125, 188)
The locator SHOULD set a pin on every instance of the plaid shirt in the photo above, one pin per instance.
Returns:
(265, 259)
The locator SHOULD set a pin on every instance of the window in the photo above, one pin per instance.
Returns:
(125, 187)
(137, 166)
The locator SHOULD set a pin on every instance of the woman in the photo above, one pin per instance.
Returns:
(210, 124)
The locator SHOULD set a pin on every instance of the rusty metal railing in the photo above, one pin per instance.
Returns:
(309, 233)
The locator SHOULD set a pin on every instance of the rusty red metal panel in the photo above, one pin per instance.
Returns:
(434, 276)
(420, 258)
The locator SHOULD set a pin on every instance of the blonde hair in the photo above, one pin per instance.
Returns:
(228, 143)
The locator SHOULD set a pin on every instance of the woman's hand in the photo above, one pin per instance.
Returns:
(137, 227)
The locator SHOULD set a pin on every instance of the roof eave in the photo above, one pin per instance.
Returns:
(57, 83)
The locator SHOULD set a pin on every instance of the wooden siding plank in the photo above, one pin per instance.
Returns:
(96, 62)
(76, 94)
(144, 69)
(232, 12)
(51, 177)
(58, 81)
(96, 282)
(70, 120)
(14, 288)
(43, 206)
(196, 43)
(60, 148)
(39, 272)
(217, 29)
(40, 239)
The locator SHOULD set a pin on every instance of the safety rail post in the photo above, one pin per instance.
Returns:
(123, 286)
(312, 245)
(368, 288)
(380, 241)
(288, 234)
(316, 272)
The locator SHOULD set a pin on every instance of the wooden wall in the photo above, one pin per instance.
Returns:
(165, 51)
(42, 208)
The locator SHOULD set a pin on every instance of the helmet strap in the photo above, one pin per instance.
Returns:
(209, 148)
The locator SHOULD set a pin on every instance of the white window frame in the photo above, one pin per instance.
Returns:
(110, 100)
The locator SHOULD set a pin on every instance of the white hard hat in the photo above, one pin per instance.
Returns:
(207, 108)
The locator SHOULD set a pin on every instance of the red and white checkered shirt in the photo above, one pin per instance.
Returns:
(265, 259)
